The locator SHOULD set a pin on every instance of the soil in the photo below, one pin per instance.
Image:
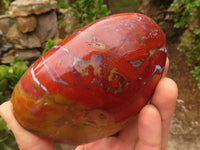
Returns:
(185, 126)
(179, 71)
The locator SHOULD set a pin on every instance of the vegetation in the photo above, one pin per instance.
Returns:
(196, 74)
(186, 13)
(89, 10)
(49, 44)
(7, 140)
(9, 76)
(6, 4)
(128, 5)
(63, 4)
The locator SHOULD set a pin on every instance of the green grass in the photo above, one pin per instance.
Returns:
(125, 5)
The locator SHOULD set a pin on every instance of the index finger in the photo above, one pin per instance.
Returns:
(164, 99)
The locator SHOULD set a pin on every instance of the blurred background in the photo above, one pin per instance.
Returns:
(25, 35)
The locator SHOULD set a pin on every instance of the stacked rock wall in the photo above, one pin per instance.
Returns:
(29, 25)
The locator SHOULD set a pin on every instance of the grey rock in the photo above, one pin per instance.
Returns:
(171, 9)
(5, 23)
(1, 37)
(28, 7)
(3, 49)
(20, 40)
(26, 24)
(7, 59)
(67, 23)
(27, 54)
(169, 17)
(144, 6)
(46, 26)
(184, 132)
(178, 143)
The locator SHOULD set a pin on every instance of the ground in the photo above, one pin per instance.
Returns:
(179, 71)
(185, 126)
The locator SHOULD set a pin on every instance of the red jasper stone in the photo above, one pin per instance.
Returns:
(94, 82)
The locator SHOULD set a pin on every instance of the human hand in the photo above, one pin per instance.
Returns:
(148, 131)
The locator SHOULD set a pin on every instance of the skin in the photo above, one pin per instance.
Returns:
(148, 131)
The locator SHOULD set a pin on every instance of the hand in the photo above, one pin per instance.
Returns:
(148, 131)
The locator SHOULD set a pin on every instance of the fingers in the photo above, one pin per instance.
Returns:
(108, 143)
(25, 139)
(130, 133)
(166, 68)
(149, 129)
(164, 99)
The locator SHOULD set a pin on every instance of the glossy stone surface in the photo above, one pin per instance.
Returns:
(92, 83)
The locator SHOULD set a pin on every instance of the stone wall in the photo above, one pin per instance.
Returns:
(29, 25)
